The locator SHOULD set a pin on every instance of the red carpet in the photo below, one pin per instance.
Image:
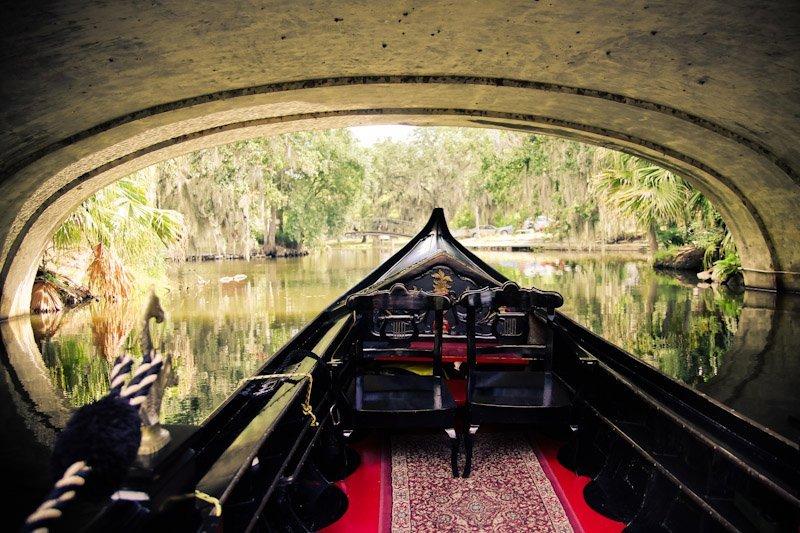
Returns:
(369, 491)
(508, 490)
(569, 487)
(369, 488)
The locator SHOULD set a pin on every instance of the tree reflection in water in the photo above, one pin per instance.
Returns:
(221, 333)
(665, 319)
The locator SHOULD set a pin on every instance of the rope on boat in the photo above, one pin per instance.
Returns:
(202, 496)
(74, 477)
(60, 495)
(138, 387)
(308, 410)
(122, 367)
(101, 461)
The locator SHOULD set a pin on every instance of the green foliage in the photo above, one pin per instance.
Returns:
(480, 177)
(464, 218)
(664, 204)
(636, 188)
(124, 217)
(707, 230)
(502, 176)
(509, 218)
(437, 168)
(323, 182)
(672, 235)
(306, 184)
(726, 267)
(297, 189)
(76, 370)
(121, 215)
(664, 255)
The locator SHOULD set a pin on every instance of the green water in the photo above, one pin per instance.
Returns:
(663, 318)
(220, 333)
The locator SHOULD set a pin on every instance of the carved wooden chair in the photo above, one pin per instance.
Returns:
(520, 325)
(390, 320)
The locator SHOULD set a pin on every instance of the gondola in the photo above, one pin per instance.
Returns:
(439, 345)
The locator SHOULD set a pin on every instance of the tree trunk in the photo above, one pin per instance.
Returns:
(270, 230)
(652, 239)
(245, 238)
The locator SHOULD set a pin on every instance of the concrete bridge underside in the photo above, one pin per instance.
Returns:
(92, 91)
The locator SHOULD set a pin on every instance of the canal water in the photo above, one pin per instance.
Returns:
(737, 348)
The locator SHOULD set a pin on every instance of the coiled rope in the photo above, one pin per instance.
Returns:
(138, 387)
(74, 477)
(122, 367)
(59, 496)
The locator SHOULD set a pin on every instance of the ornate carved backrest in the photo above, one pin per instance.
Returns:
(509, 311)
(509, 294)
(450, 281)
(395, 317)
(396, 313)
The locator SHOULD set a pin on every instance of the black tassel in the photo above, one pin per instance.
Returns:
(106, 435)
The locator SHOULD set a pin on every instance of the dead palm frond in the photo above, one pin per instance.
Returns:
(45, 297)
(108, 277)
(47, 325)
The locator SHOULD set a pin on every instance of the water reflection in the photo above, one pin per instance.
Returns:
(218, 333)
(734, 348)
(760, 374)
(668, 322)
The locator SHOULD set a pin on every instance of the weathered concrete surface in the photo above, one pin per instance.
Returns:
(93, 90)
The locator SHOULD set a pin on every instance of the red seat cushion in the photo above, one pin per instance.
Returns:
(456, 352)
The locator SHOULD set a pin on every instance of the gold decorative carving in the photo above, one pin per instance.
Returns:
(441, 283)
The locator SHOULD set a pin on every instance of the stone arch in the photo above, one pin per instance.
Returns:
(100, 90)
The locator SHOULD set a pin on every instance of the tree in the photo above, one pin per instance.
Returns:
(121, 225)
(290, 189)
(637, 188)
(323, 176)
(122, 214)
(406, 180)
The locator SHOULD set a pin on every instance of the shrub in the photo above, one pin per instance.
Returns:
(465, 218)
(726, 267)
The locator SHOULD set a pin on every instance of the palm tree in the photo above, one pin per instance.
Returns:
(121, 214)
(119, 219)
(648, 193)
(715, 237)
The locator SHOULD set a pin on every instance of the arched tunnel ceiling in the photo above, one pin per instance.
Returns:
(710, 88)
(77, 64)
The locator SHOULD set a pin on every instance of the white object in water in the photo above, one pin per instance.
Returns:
(240, 277)
(225, 279)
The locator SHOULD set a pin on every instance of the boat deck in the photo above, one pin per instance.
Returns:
(404, 484)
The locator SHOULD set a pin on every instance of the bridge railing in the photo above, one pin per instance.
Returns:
(386, 226)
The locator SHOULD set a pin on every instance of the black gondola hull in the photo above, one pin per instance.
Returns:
(661, 456)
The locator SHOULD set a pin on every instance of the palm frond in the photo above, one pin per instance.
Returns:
(636, 188)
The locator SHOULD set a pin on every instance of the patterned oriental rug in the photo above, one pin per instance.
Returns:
(507, 491)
